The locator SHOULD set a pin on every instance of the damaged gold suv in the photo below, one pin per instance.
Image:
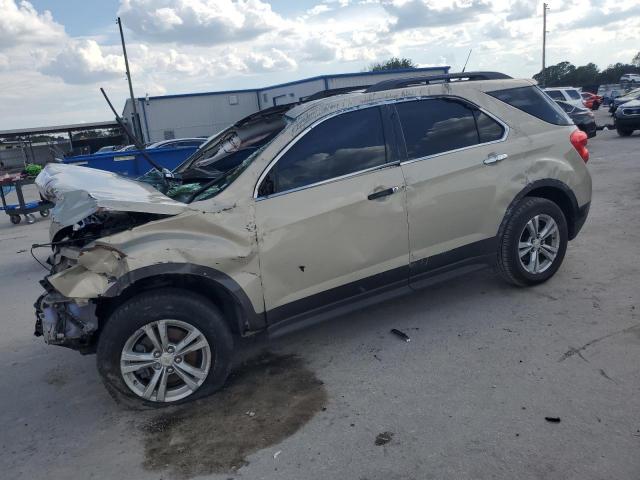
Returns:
(301, 211)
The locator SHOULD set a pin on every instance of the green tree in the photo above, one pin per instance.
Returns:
(636, 60)
(554, 75)
(394, 63)
(613, 72)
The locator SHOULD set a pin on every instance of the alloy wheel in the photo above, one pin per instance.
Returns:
(538, 244)
(165, 361)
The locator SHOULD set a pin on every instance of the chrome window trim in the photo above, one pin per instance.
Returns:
(392, 164)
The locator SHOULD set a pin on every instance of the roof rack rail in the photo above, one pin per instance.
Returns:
(428, 79)
(332, 92)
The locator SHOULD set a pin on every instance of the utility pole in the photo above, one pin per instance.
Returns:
(136, 119)
(545, 7)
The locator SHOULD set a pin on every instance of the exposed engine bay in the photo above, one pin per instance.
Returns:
(94, 206)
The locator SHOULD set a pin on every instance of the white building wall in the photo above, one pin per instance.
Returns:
(205, 114)
(362, 80)
(289, 93)
(194, 115)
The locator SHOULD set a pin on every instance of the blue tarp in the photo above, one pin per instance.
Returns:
(132, 163)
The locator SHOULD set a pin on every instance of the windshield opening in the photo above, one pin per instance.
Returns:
(216, 165)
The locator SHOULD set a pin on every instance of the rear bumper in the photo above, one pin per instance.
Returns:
(581, 218)
(628, 123)
(589, 128)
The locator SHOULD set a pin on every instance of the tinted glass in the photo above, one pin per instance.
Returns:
(348, 143)
(566, 107)
(533, 101)
(488, 129)
(436, 126)
(573, 94)
(555, 94)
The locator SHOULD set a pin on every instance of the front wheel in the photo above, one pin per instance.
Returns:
(164, 347)
(624, 132)
(533, 242)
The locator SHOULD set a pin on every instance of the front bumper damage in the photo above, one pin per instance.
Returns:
(66, 312)
(65, 321)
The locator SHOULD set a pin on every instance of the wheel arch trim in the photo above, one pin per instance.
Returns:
(249, 320)
(549, 184)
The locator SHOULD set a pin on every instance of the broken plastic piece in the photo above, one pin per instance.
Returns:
(383, 438)
(552, 419)
(400, 334)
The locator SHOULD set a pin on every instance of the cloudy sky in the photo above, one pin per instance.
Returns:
(55, 54)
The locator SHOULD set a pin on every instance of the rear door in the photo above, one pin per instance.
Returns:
(454, 157)
(331, 216)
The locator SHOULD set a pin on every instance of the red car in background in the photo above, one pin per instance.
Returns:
(591, 100)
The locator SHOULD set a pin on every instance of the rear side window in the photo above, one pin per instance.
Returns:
(440, 125)
(535, 102)
(488, 129)
(555, 94)
(345, 144)
(573, 94)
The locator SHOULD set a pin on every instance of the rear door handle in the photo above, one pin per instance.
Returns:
(495, 158)
(383, 193)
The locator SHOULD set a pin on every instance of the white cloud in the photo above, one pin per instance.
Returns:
(422, 14)
(521, 9)
(21, 23)
(83, 61)
(200, 22)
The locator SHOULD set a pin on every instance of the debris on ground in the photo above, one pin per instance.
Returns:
(400, 334)
(552, 419)
(251, 414)
(275, 455)
(384, 438)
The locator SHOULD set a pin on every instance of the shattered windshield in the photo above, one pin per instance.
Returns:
(215, 165)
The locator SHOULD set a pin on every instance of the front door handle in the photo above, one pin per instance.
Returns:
(495, 158)
(383, 193)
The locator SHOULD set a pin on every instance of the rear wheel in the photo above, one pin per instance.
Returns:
(624, 132)
(164, 347)
(15, 219)
(533, 242)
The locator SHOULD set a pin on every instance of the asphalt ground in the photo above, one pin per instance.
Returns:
(466, 398)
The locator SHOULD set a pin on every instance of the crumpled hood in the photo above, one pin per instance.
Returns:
(80, 191)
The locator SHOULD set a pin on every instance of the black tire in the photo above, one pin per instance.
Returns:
(160, 304)
(509, 265)
(44, 213)
(624, 132)
(15, 219)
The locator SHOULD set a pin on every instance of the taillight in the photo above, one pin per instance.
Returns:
(579, 141)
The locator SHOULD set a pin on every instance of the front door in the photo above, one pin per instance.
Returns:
(331, 217)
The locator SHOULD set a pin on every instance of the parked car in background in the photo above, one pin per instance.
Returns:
(627, 118)
(591, 100)
(630, 78)
(108, 148)
(566, 94)
(584, 119)
(303, 210)
(622, 99)
(178, 142)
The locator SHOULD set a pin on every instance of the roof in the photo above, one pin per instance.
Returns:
(296, 82)
(58, 128)
(352, 99)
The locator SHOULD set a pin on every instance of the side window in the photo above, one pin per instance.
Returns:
(488, 129)
(573, 94)
(436, 126)
(533, 101)
(555, 94)
(348, 143)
